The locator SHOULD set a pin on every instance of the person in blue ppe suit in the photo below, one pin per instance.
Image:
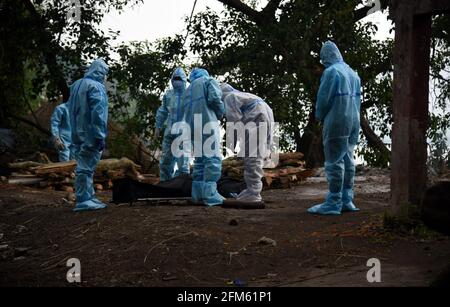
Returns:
(171, 111)
(338, 108)
(248, 109)
(203, 110)
(88, 110)
(61, 132)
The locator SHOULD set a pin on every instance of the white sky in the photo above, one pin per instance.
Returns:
(161, 18)
(155, 18)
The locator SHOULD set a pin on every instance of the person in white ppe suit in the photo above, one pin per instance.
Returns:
(255, 140)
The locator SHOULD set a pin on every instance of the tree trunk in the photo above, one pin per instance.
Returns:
(310, 144)
(30, 123)
(374, 142)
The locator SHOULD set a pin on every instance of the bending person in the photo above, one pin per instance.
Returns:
(254, 136)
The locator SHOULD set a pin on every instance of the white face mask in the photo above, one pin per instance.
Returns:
(177, 84)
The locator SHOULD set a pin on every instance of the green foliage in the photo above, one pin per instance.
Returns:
(440, 93)
(139, 80)
(40, 45)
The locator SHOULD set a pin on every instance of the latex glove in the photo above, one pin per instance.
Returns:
(101, 145)
(59, 144)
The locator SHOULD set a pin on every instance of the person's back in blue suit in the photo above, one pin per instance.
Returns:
(338, 108)
(88, 110)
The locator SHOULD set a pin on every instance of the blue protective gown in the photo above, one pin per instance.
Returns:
(88, 109)
(203, 106)
(60, 128)
(338, 108)
(172, 111)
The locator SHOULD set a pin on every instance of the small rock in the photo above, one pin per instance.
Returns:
(267, 241)
(168, 277)
(233, 222)
(19, 258)
(1, 236)
(3, 247)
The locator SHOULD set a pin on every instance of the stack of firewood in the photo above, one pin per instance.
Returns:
(290, 170)
(61, 175)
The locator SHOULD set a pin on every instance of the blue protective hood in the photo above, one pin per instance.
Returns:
(330, 54)
(98, 70)
(179, 72)
(198, 73)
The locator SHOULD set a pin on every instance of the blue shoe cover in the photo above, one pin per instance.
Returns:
(88, 205)
(197, 191)
(97, 201)
(325, 209)
(349, 207)
(211, 196)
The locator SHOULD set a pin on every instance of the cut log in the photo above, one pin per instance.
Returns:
(24, 165)
(59, 175)
(297, 156)
(290, 170)
(55, 168)
(26, 181)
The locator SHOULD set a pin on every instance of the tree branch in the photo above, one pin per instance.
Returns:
(374, 141)
(271, 8)
(243, 8)
(30, 123)
(259, 17)
(362, 12)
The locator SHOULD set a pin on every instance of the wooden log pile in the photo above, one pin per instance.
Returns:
(61, 175)
(290, 170)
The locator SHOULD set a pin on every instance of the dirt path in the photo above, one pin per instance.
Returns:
(196, 246)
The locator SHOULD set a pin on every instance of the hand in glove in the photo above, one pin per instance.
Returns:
(59, 144)
(101, 145)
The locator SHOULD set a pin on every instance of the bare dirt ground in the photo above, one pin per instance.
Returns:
(194, 246)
